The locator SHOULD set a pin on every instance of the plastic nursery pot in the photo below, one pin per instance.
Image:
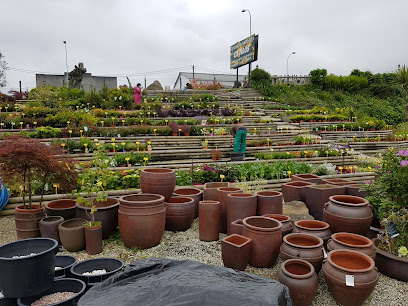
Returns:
(61, 285)
(64, 208)
(34, 259)
(158, 181)
(64, 262)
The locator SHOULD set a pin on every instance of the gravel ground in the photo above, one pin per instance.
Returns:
(187, 246)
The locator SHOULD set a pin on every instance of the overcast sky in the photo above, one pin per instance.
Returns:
(136, 38)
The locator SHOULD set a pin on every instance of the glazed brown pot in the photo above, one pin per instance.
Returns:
(209, 220)
(354, 189)
(72, 234)
(158, 181)
(142, 219)
(27, 221)
(236, 251)
(350, 241)
(222, 193)
(310, 178)
(318, 195)
(240, 206)
(266, 238)
(285, 220)
(313, 227)
(210, 192)
(93, 239)
(49, 227)
(179, 213)
(106, 212)
(64, 208)
(295, 191)
(303, 246)
(194, 193)
(269, 202)
(348, 214)
(336, 181)
(300, 277)
(340, 263)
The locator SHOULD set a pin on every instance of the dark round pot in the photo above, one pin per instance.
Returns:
(179, 213)
(65, 262)
(240, 206)
(49, 227)
(61, 285)
(352, 242)
(158, 181)
(64, 208)
(18, 274)
(269, 202)
(348, 214)
(111, 265)
(72, 234)
(93, 240)
(27, 221)
(341, 263)
(303, 246)
(313, 227)
(266, 238)
(222, 193)
(106, 212)
(285, 220)
(142, 219)
(209, 220)
(300, 277)
(194, 193)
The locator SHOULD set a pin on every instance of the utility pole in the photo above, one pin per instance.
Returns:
(193, 71)
(66, 63)
(20, 86)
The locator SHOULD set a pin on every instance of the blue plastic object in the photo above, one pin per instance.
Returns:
(4, 194)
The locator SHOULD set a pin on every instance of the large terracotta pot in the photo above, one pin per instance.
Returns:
(266, 238)
(318, 195)
(313, 227)
(240, 206)
(390, 264)
(303, 246)
(179, 213)
(300, 277)
(209, 220)
(354, 189)
(106, 212)
(72, 234)
(222, 193)
(352, 242)
(64, 208)
(142, 219)
(27, 221)
(285, 220)
(295, 191)
(93, 239)
(49, 227)
(269, 202)
(210, 192)
(158, 181)
(348, 214)
(236, 251)
(194, 193)
(307, 177)
(341, 263)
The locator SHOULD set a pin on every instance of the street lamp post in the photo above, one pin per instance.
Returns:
(66, 63)
(250, 33)
(287, 65)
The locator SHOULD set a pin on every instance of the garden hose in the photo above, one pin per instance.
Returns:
(4, 194)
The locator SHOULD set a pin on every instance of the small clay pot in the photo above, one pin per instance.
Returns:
(194, 193)
(179, 213)
(240, 206)
(352, 242)
(236, 251)
(210, 192)
(72, 234)
(295, 191)
(269, 202)
(285, 220)
(49, 227)
(313, 227)
(158, 181)
(64, 208)
(93, 240)
(300, 277)
(303, 246)
(209, 220)
(222, 193)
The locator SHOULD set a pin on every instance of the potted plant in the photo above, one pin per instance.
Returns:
(388, 195)
(29, 162)
(216, 154)
(174, 128)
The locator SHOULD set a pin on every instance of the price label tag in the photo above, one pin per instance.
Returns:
(350, 280)
(324, 254)
(392, 230)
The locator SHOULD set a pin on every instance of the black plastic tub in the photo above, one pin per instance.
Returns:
(111, 265)
(31, 274)
(237, 156)
(65, 262)
(8, 302)
(60, 285)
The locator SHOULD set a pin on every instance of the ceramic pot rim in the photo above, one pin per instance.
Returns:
(241, 195)
(347, 219)
(72, 221)
(195, 192)
(324, 225)
(301, 262)
(277, 216)
(247, 240)
(308, 176)
(376, 241)
(209, 202)
(56, 219)
(53, 246)
(354, 253)
(85, 262)
(180, 201)
(357, 201)
(157, 199)
(36, 208)
(269, 193)
(108, 199)
(229, 189)
(319, 241)
(158, 170)
(61, 208)
(368, 243)
(299, 184)
(253, 228)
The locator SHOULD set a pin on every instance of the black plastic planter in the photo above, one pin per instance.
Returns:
(61, 285)
(31, 274)
(237, 156)
(111, 265)
(65, 262)
(8, 302)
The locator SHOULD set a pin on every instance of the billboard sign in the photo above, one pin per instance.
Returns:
(244, 52)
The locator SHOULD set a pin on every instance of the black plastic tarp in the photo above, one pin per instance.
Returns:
(159, 281)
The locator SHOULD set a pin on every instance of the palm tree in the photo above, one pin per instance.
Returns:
(402, 76)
